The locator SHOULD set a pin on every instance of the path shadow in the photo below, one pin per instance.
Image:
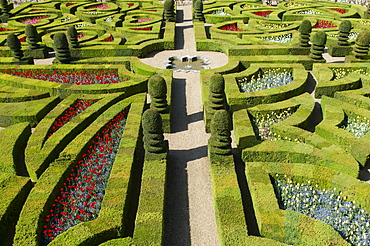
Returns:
(180, 40)
(178, 103)
(176, 214)
(316, 118)
(311, 84)
(249, 212)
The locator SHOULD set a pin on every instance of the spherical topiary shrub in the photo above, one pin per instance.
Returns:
(152, 130)
(62, 48)
(32, 37)
(216, 97)
(198, 10)
(344, 30)
(318, 45)
(73, 37)
(157, 89)
(169, 14)
(305, 29)
(15, 45)
(362, 45)
(220, 140)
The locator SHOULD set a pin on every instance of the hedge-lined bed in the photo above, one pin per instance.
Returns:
(113, 220)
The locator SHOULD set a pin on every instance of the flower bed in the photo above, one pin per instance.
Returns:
(101, 6)
(142, 28)
(262, 122)
(109, 39)
(263, 13)
(269, 78)
(68, 114)
(308, 12)
(357, 126)
(70, 4)
(34, 20)
(343, 72)
(143, 20)
(2, 29)
(324, 24)
(82, 193)
(70, 77)
(352, 222)
(273, 25)
(231, 27)
(220, 12)
(342, 11)
(282, 39)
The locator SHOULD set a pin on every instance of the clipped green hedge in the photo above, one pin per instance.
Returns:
(14, 139)
(113, 218)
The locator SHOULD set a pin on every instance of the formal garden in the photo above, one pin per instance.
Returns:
(85, 160)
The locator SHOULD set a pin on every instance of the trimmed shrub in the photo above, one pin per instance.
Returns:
(5, 8)
(152, 131)
(169, 14)
(61, 47)
(157, 90)
(305, 29)
(216, 93)
(362, 45)
(318, 45)
(220, 140)
(344, 30)
(32, 37)
(15, 45)
(72, 37)
(198, 10)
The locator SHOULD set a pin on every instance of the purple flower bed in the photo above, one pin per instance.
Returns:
(82, 192)
(70, 113)
(34, 20)
(88, 77)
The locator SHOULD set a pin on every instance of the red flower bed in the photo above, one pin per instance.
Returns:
(32, 10)
(68, 114)
(153, 10)
(109, 39)
(80, 35)
(263, 13)
(342, 11)
(130, 5)
(70, 77)
(69, 4)
(2, 29)
(142, 28)
(324, 24)
(231, 27)
(101, 6)
(22, 39)
(80, 197)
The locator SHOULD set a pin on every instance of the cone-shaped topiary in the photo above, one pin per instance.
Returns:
(152, 130)
(5, 8)
(216, 97)
(220, 141)
(32, 37)
(362, 45)
(198, 10)
(318, 45)
(15, 45)
(157, 89)
(344, 30)
(169, 14)
(73, 37)
(61, 47)
(305, 29)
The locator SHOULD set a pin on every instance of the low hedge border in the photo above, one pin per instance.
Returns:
(14, 139)
(11, 94)
(112, 221)
(335, 112)
(135, 84)
(326, 86)
(29, 111)
(41, 151)
(285, 225)
(307, 146)
(357, 97)
(14, 192)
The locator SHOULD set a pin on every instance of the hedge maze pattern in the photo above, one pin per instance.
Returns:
(72, 168)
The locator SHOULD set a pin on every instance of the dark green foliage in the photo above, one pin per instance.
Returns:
(216, 93)
(318, 45)
(169, 14)
(305, 29)
(15, 45)
(32, 36)
(220, 140)
(198, 10)
(72, 36)
(152, 131)
(157, 89)
(344, 30)
(362, 44)
(61, 47)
